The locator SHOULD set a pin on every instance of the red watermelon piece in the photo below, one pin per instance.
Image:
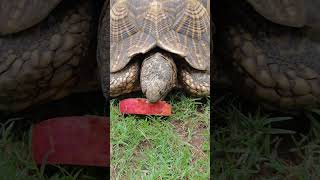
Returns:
(76, 140)
(143, 107)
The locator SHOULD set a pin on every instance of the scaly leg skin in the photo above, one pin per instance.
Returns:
(125, 80)
(43, 62)
(195, 82)
(158, 76)
(275, 65)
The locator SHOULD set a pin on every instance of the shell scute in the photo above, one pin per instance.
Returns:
(181, 27)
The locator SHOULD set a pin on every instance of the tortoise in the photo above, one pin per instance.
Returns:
(51, 53)
(156, 45)
(47, 50)
(272, 50)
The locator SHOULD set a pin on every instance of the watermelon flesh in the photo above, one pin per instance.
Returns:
(75, 140)
(143, 107)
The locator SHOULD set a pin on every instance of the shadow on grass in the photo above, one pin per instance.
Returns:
(249, 143)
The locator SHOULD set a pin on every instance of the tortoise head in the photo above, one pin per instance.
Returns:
(158, 76)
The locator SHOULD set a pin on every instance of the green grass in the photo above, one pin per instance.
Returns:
(151, 147)
(256, 145)
(246, 143)
(16, 160)
(144, 147)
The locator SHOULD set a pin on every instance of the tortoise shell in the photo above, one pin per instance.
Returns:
(295, 13)
(181, 27)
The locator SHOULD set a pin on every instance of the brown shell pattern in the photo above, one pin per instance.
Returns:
(178, 26)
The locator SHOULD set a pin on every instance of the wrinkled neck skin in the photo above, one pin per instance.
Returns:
(158, 76)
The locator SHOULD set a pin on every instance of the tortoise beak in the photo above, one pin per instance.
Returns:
(153, 94)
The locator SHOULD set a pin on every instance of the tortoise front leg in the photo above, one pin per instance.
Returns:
(125, 80)
(194, 81)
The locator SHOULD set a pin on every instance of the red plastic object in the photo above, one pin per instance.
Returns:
(142, 106)
(76, 140)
